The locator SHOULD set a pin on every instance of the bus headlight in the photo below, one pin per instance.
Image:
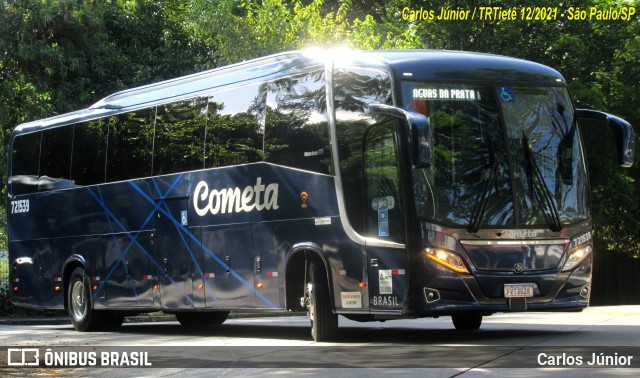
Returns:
(576, 257)
(445, 258)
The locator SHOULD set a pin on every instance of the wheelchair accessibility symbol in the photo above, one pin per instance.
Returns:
(506, 94)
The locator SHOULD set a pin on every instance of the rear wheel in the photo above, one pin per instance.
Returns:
(324, 323)
(467, 321)
(80, 308)
(192, 319)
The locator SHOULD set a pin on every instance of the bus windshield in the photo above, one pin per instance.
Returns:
(504, 156)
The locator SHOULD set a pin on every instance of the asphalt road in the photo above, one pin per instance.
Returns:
(599, 341)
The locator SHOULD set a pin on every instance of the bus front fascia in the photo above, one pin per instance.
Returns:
(420, 132)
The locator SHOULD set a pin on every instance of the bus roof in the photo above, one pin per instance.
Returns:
(462, 66)
(451, 66)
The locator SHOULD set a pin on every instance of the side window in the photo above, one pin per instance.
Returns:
(25, 163)
(55, 159)
(384, 216)
(55, 153)
(42, 161)
(179, 143)
(89, 152)
(130, 145)
(354, 89)
(234, 126)
(296, 131)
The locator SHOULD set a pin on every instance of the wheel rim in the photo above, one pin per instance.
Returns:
(78, 301)
(312, 301)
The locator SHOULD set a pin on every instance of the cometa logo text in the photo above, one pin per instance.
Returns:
(234, 200)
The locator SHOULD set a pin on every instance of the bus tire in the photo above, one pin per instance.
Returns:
(81, 312)
(192, 319)
(467, 321)
(324, 323)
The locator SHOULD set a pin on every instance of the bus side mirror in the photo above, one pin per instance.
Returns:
(419, 130)
(622, 130)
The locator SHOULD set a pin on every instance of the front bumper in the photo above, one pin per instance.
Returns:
(440, 291)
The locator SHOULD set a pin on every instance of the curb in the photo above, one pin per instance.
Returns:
(140, 318)
(35, 321)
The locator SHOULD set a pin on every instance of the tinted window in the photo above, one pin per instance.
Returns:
(42, 161)
(354, 89)
(234, 126)
(25, 160)
(179, 143)
(26, 154)
(383, 200)
(546, 149)
(55, 159)
(89, 152)
(55, 155)
(468, 182)
(296, 133)
(130, 145)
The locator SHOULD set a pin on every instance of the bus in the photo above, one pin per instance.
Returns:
(375, 185)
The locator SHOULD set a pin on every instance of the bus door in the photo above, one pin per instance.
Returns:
(384, 219)
(174, 255)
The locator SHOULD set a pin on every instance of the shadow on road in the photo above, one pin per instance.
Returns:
(348, 334)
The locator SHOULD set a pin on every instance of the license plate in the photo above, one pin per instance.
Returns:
(518, 290)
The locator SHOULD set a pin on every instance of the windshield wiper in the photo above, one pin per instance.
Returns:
(474, 224)
(539, 189)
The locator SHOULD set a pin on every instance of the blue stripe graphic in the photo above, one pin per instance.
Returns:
(204, 248)
(162, 207)
(134, 240)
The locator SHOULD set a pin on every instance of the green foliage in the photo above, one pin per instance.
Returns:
(600, 60)
(61, 55)
(57, 56)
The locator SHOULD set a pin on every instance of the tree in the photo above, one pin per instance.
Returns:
(57, 56)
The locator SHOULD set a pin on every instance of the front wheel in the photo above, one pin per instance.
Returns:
(324, 323)
(467, 321)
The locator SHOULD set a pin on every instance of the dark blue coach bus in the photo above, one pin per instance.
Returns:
(373, 185)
